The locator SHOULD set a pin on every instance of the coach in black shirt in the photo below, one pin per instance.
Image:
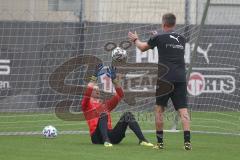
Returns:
(171, 54)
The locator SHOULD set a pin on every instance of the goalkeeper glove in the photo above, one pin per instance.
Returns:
(111, 73)
(98, 72)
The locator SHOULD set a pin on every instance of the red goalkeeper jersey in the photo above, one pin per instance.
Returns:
(92, 110)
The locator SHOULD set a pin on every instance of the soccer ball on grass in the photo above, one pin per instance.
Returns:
(49, 132)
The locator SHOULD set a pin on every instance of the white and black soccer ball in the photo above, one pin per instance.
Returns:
(119, 55)
(49, 131)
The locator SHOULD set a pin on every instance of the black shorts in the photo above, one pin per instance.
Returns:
(178, 96)
(116, 134)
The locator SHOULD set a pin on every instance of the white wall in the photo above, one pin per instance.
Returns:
(118, 11)
(134, 11)
(32, 10)
(220, 12)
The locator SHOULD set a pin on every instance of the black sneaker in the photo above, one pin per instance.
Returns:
(187, 146)
(159, 146)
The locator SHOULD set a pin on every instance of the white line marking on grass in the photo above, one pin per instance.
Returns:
(86, 132)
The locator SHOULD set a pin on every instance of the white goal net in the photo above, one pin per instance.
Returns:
(49, 49)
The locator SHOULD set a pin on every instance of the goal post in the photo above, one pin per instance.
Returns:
(193, 55)
(208, 87)
(49, 49)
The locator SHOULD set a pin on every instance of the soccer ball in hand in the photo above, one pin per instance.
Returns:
(49, 132)
(119, 55)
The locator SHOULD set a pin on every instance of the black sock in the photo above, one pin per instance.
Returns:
(159, 135)
(103, 127)
(187, 136)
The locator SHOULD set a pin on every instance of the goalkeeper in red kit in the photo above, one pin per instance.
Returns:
(97, 113)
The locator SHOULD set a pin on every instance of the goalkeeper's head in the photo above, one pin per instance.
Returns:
(168, 21)
(96, 92)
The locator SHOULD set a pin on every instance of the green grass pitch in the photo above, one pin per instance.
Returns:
(72, 147)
